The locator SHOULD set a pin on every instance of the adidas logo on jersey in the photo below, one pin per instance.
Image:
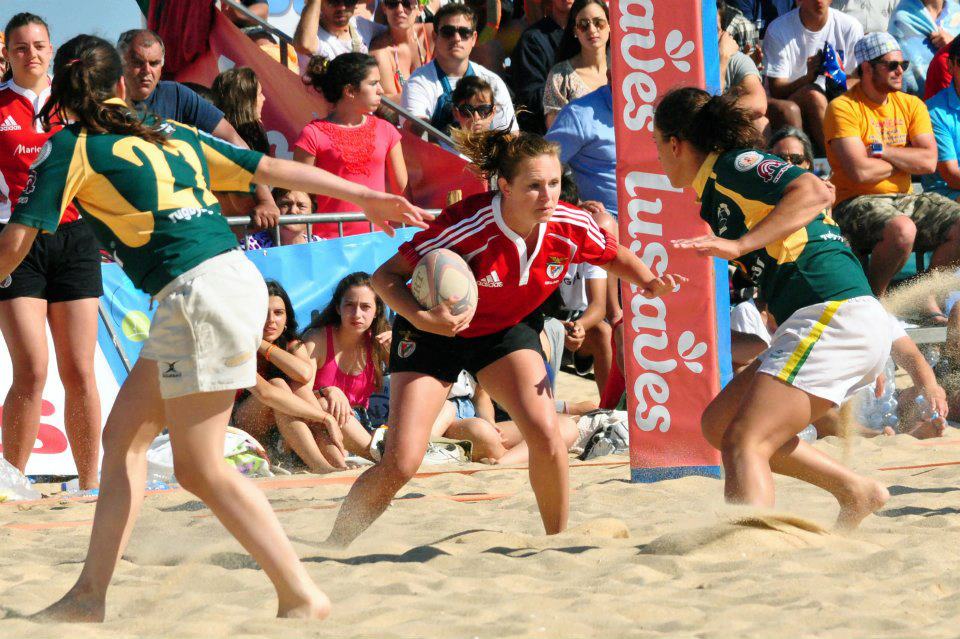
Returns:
(491, 281)
(10, 124)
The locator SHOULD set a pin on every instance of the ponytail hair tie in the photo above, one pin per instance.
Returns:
(72, 62)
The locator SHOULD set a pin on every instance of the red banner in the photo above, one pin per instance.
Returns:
(671, 344)
(290, 105)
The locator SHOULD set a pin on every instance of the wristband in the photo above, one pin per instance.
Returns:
(266, 353)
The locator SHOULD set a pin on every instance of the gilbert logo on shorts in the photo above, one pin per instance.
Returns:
(10, 124)
(491, 281)
(170, 372)
(405, 348)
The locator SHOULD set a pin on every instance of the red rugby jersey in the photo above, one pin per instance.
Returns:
(21, 138)
(511, 284)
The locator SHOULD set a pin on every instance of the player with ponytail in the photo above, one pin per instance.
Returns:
(145, 187)
(518, 242)
(833, 337)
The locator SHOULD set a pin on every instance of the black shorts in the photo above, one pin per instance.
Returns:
(60, 267)
(415, 351)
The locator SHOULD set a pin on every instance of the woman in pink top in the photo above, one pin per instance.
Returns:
(350, 141)
(350, 342)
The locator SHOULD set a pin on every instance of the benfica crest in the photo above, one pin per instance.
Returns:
(406, 347)
(555, 266)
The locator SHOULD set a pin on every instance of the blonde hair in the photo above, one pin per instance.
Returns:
(499, 152)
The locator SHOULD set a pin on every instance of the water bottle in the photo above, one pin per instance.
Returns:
(890, 420)
(931, 353)
(72, 489)
(808, 434)
(927, 411)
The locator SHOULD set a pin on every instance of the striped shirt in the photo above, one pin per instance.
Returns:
(513, 278)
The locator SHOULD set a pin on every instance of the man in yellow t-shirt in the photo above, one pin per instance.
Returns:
(877, 138)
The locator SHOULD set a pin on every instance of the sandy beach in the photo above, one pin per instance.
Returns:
(461, 553)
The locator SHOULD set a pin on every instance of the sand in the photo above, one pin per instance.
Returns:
(461, 554)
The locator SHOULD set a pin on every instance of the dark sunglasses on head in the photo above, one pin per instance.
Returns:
(393, 4)
(796, 159)
(891, 65)
(467, 110)
(599, 24)
(343, 3)
(448, 31)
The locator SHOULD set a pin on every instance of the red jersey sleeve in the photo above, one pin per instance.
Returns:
(596, 246)
(938, 73)
(410, 249)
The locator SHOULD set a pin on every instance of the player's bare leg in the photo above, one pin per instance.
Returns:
(415, 402)
(518, 382)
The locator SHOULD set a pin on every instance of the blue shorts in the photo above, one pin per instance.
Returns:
(464, 406)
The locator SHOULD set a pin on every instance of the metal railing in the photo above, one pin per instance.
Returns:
(311, 218)
(286, 41)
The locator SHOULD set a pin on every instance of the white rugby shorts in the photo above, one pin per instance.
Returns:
(831, 350)
(208, 326)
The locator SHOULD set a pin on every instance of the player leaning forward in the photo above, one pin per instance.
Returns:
(518, 241)
(832, 338)
(145, 189)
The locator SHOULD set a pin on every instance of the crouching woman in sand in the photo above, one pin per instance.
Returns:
(833, 336)
(523, 234)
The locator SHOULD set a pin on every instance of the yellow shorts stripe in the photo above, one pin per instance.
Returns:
(802, 351)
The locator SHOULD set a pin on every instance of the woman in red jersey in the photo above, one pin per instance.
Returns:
(519, 242)
(58, 282)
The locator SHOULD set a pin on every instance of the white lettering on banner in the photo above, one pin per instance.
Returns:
(649, 316)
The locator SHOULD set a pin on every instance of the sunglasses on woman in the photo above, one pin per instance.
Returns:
(796, 159)
(467, 110)
(448, 31)
(600, 24)
(393, 4)
(892, 65)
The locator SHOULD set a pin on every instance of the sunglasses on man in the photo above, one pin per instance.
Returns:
(467, 110)
(892, 65)
(448, 31)
(600, 24)
(393, 4)
(349, 4)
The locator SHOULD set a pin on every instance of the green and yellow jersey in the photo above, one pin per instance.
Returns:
(150, 206)
(739, 188)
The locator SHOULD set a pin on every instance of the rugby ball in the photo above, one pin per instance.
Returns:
(441, 276)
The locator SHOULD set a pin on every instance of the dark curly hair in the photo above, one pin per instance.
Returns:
(349, 69)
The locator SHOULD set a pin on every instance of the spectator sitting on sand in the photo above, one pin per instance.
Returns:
(282, 405)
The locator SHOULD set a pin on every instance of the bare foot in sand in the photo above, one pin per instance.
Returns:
(77, 606)
(316, 607)
(866, 499)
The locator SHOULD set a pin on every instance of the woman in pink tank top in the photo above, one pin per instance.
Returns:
(282, 409)
(349, 342)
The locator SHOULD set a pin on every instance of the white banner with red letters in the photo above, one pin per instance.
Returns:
(51, 450)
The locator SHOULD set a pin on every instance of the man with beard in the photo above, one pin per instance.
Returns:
(877, 138)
